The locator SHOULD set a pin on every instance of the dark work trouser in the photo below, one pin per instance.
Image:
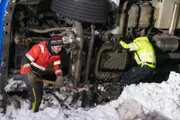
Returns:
(35, 91)
(136, 74)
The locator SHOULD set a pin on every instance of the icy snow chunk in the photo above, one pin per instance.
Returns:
(130, 110)
(15, 85)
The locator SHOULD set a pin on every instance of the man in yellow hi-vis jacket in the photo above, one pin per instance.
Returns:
(145, 57)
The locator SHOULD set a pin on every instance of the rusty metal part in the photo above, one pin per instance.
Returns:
(91, 44)
(145, 15)
(28, 41)
(38, 39)
(22, 39)
(120, 22)
(133, 16)
(174, 19)
(67, 39)
(48, 30)
(119, 29)
(78, 62)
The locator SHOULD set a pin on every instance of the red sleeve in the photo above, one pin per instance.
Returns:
(33, 53)
(31, 56)
(57, 66)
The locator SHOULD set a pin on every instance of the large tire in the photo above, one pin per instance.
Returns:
(93, 11)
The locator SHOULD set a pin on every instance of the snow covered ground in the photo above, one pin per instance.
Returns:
(145, 101)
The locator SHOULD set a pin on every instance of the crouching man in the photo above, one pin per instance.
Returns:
(145, 57)
(35, 61)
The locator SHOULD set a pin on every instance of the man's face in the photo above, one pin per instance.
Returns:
(56, 49)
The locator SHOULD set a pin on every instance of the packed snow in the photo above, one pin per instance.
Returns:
(145, 101)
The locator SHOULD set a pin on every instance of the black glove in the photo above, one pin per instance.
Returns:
(31, 77)
(118, 46)
(59, 81)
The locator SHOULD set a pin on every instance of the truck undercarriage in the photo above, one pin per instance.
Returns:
(91, 29)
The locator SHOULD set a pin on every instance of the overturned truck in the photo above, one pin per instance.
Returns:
(91, 29)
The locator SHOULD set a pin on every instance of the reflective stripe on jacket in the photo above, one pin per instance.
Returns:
(144, 52)
(41, 58)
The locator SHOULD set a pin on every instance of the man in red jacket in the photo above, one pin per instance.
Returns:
(35, 61)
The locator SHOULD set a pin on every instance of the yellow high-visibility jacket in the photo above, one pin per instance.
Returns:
(144, 52)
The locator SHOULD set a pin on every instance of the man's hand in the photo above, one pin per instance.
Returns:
(31, 76)
(59, 81)
(118, 46)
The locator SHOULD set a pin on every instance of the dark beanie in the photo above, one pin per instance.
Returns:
(56, 40)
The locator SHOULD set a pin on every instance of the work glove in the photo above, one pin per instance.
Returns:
(59, 81)
(31, 77)
(118, 46)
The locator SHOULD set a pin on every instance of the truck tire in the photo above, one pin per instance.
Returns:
(93, 11)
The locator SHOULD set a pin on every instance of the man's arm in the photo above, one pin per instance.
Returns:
(33, 53)
(131, 46)
(58, 71)
(57, 67)
(29, 57)
(124, 45)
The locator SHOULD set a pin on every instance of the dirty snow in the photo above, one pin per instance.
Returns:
(145, 101)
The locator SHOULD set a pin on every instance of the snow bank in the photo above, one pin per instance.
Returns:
(163, 99)
(146, 101)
